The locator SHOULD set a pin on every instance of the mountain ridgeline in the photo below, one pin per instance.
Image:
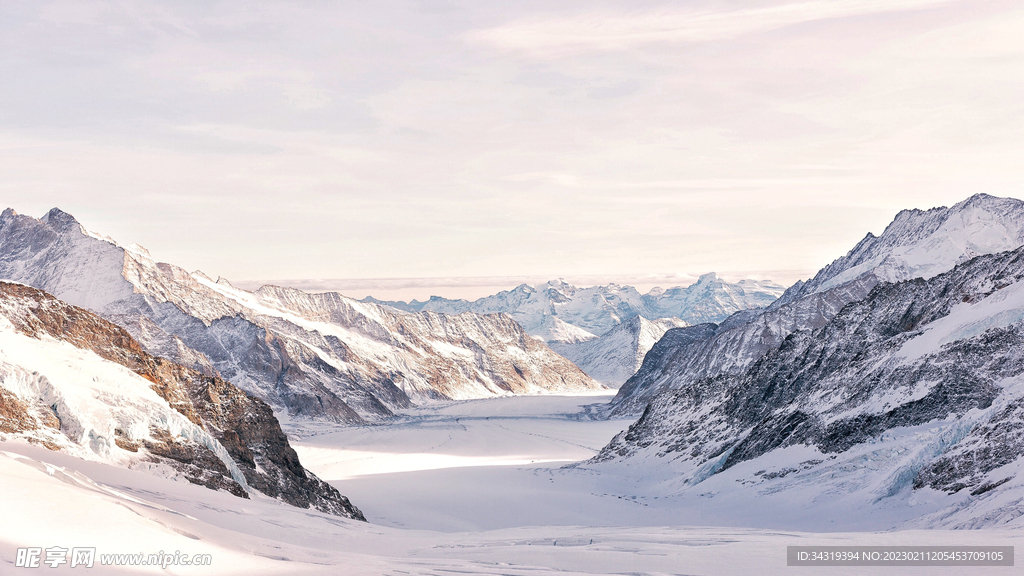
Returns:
(885, 392)
(544, 310)
(607, 330)
(317, 356)
(916, 244)
(892, 381)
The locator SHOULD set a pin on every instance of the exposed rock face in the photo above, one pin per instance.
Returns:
(812, 388)
(616, 355)
(988, 447)
(917, 385)
(916, 244)
(196, 462)
(676, 342)
(243, 426)
(733, 346)
(319, 356)
(18, 416)
(598, 309)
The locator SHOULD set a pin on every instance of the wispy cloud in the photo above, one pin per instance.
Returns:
(605, 32)
(372, 140)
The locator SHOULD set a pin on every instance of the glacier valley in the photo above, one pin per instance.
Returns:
(475, 487)
(881, 402)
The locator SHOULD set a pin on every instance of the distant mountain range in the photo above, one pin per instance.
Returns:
(320, 356)
(546, 309)
(886, 389)
(617, 354)
(607, 330)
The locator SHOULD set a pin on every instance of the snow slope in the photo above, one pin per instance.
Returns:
(596, 529)
(925, 243)
(508, 463)
(317, 356)
(90, 397)
(618, 353)
(73, 382)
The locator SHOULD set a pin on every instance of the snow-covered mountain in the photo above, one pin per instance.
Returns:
(544, 310)
(924, 243)
(570, 319)
(317, 355)
(74, 382)
(903, 401)
(916, 244)
(617, 354)
(709, 299)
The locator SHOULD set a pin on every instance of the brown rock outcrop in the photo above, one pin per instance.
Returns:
(244, 425)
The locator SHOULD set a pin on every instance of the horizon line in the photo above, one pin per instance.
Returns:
(664, 280)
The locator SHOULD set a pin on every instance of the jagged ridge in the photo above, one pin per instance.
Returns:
(916, 244)
(243, 425)
(318, 356)
(916, 386)
(599, 309)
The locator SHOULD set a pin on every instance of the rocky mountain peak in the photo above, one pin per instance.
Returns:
(903, 353)
(917, 244)
(984, 200)
(924, 243)
(61, 221)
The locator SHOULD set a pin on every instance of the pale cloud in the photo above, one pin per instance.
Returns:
(372, 140)
(306, 97)
(612, 31)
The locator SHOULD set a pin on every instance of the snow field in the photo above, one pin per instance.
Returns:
(60, 500)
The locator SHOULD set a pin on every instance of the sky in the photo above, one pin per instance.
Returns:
(413, 148)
